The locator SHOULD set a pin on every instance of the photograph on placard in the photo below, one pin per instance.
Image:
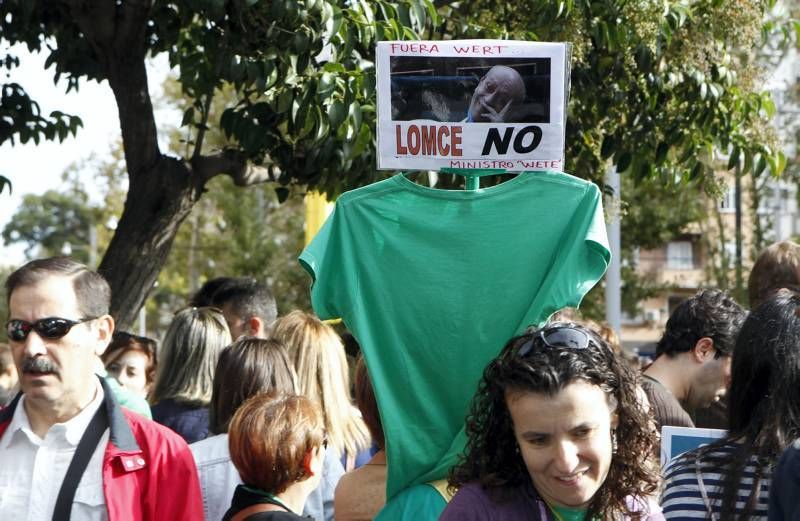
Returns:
(470, 90)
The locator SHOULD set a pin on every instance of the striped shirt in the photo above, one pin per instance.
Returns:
(682, 497)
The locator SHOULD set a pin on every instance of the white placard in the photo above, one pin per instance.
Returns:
(472, 104)
(677, 440)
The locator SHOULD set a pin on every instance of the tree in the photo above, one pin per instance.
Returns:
(661, 90)
(299, 116)
(66, 221)
(657, 90)
(52, 224)
(657, 87)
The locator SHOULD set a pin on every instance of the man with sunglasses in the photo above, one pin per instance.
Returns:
(67, 448)
(693, 357)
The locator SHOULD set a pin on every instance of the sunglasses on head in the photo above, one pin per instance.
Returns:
(50, 328)
(558, 336)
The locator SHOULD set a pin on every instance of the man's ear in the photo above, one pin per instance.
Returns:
(255, 327)
(104, 329)
(703, 350)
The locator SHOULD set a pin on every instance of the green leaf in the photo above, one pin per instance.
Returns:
(734, 159)
(283, 194)
(323, 125)
(5, 182)
(761, 165)
(661, 152)
(419, 15)
(624, 162)
(188, 116)
(272, 75)
(748, 162)
(327, 85)
(768, 105)
(300, 42)
(368, 86)
(336, 114)
(697, 171)
(285, 99)
(355, 114)
(608, 147)
(781, 166)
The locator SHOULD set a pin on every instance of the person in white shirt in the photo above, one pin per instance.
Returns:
(245, 368)
(67, 449)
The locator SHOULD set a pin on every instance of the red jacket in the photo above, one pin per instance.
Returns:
(148, 471)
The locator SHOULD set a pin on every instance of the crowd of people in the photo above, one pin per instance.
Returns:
(240, 414)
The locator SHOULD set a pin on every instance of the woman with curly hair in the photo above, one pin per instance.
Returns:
(730, 479)
(556, 432)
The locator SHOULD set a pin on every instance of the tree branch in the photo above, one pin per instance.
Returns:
(117, 36)
(201, 130)
(96, 21)
(232, 163)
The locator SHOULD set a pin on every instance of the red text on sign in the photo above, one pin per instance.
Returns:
(479, 49)
(428, 140)
(417, 48)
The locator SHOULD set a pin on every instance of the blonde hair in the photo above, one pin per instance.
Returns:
(323, 376)
(189, 356)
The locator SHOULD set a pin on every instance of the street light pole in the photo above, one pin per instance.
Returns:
(614, 273)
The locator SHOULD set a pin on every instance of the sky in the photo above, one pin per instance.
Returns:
(35, 169)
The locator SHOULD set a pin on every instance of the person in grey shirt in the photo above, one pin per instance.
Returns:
(248, 367)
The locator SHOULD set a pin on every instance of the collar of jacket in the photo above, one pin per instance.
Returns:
(120, 434)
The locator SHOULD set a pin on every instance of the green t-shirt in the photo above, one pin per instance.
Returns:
(417, 503)
(433, 283)
(126, 398)
(569, 514)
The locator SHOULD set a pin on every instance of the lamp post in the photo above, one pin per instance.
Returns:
(614, 272)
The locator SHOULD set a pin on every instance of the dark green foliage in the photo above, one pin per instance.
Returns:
(656, 87)
(51, 222)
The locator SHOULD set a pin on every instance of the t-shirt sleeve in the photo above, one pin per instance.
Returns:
(579, 263)
(332, 266)
(418, 502)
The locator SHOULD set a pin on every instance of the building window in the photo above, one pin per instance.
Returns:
(730, 251)
(679, 255)
(728, 202)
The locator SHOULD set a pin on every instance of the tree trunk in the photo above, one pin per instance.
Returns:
(156, 206)
(162, 189)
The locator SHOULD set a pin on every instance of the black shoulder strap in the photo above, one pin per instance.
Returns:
(83, 453)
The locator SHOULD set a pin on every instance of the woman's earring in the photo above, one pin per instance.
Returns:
(614, 441)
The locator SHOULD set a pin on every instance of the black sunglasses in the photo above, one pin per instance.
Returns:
(50, 328)
(558, 335)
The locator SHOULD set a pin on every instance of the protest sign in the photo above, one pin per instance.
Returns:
(472, 104)
(677, 440)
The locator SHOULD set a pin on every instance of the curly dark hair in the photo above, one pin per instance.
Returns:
(710, 313)
(491, 456)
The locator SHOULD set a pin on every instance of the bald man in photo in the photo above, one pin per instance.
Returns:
(496, 96)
